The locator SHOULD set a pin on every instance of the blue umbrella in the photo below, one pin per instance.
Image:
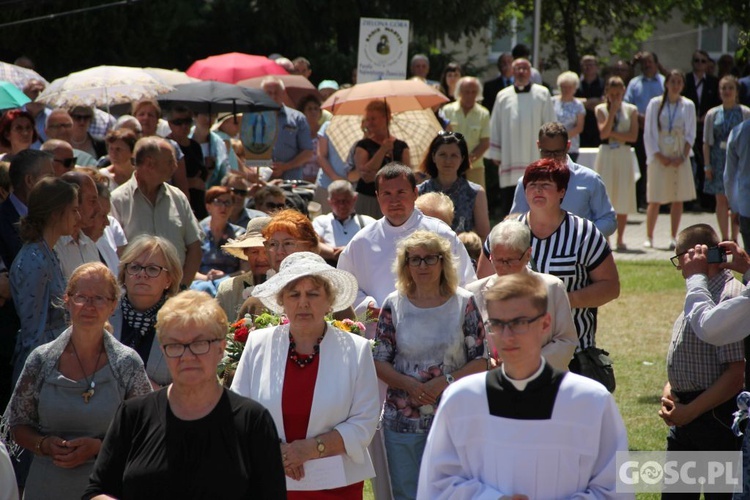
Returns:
(11, 97)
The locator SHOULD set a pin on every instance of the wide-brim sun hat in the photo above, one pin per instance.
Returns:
(302, 264)
(222, 117)
(253, 238)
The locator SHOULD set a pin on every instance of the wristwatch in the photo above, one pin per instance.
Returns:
(321, 447)
(449, 378)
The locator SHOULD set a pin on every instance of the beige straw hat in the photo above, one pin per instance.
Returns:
(253, 238)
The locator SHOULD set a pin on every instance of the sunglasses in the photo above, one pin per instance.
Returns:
(81, 118)
(67, 162)
(273, 206)
(446, 135)
(181, 122)
(239, 192)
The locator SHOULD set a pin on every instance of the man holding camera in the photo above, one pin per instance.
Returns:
(703, 379)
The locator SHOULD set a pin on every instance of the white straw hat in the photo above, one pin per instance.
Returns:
(299, 265)
(253, 238)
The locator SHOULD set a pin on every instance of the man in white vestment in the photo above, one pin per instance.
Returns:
(524, 430)
(519, 111)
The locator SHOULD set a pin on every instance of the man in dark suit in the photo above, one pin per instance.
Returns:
(26, 169)
(702, 88)
(745, 90)
(491, 88)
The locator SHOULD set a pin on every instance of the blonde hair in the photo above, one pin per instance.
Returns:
(568, 77)
(472, 242)
(430, 242)
(438, 205)
(519, 286)
(191, 310)
(152, 244)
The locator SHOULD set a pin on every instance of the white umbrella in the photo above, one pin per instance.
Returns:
(102, 86)
(170, 76)
(18, 75)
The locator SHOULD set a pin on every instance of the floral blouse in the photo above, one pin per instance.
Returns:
(425, 343)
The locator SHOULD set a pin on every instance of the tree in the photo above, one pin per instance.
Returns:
(572, 28)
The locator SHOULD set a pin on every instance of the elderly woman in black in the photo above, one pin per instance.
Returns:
(192, 439)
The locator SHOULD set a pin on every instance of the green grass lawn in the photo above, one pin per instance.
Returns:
(636, 329)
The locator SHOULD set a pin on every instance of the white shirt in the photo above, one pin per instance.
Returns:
(113, 238)
(338, 233)
(72, 254)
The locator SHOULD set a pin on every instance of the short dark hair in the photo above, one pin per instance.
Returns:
(520, 51)
(500, 59)
(394, 170)
(697, 234)
(26, 162)
(306, 100)
(552, 130)
(6, 123)
(122, 134)
(547, 169)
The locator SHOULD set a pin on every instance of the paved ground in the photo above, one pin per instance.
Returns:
(635, 235)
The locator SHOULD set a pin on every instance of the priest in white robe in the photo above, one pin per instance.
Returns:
(523, 429)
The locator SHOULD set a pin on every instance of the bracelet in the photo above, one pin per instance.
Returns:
(38, 446)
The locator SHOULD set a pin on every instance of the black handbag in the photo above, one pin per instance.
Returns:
(595, 364)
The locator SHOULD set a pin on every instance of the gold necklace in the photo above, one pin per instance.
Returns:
(89, 392)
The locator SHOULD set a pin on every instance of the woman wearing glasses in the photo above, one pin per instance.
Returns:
(429, 334)
(217, 265)
(193, 439)
(446, 162)
(150, 273)
(70, 389)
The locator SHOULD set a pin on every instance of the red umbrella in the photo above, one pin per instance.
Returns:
(233, 67)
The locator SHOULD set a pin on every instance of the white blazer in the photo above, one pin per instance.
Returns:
(346, 391)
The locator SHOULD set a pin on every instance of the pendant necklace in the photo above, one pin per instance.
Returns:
(89, 392)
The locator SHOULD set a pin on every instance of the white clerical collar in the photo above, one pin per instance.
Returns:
(521, 384)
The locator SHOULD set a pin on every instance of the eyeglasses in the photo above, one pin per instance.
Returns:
(67, 162)
(430, 260)
(199, 347)
(552, 153)
(273, 206)
(81, 118)
(507, 262)
(181, 122)
(60, 125)
(518, 325)
(445, 134)
(152, 270)
(22, 129)
(97, 300)
(289, 246)
(675, 260)
(218, 203)
(239, 192)
(700, 61)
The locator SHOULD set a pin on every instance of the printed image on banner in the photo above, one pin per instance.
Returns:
(679, 471)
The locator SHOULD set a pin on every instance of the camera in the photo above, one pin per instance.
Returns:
(716, 255)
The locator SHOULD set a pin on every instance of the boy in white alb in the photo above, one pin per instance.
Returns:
(523, 430)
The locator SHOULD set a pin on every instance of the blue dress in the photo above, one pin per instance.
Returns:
(723, 121)
(463, 194)
(37, 285)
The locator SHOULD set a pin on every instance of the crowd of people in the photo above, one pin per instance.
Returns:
(129, 244)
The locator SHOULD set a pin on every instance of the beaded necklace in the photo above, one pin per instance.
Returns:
(294, 356)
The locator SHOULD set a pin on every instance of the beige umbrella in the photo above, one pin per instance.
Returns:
(418, 128)
(401, 95)
(296, 86)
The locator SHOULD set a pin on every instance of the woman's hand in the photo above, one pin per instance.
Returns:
(420, 393)
(708, 172)
(214, 274)
(76, 451)
(295, 454)
(387, 145)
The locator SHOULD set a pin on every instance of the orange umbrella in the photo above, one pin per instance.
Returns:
(401, 95)
(296, 86)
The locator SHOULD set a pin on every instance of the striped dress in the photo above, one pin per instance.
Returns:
(574, 250)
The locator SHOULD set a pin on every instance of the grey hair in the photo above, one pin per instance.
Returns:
(511, 234)
(568, 77)
(341, 186)
(466, 79)
(124, 120)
